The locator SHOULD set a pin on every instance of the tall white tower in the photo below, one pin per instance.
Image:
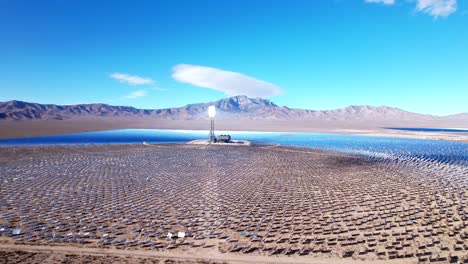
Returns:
(211, 115)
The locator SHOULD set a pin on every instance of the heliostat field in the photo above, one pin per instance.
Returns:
(259, 200)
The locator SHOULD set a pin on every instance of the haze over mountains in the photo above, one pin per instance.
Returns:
(237, 107)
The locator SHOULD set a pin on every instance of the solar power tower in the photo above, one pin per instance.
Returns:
(211, 115)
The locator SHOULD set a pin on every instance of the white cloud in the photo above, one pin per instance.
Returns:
(131, 79)
(231, 83)
(136, 94)
(385, 2)
(437, 8)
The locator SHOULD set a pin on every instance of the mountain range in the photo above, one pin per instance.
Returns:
(237, 107)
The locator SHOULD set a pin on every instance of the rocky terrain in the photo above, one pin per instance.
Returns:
(237, 107)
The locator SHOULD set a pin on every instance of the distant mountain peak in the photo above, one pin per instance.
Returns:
(239, 97)
(242, 103)
(235, 107)
(15, 104)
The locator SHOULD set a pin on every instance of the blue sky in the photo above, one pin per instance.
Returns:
(325, 54)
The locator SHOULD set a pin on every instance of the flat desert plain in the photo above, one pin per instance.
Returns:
(29, 128)
(222, 204)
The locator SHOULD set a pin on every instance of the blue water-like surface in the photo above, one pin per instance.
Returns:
(423, 129)
(439, 150)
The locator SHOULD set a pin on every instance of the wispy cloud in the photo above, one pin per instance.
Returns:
(131, 79)
(136, 94)
(435, 8)
(231, 83)
(385, 2)
(156, 88)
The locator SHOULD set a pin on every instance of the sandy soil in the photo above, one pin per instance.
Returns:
(47, 255)
(16, 129)
(59, 254)
(258, 204)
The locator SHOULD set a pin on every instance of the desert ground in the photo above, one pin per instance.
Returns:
(253, 204)
(40, 255)
(16, 129)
